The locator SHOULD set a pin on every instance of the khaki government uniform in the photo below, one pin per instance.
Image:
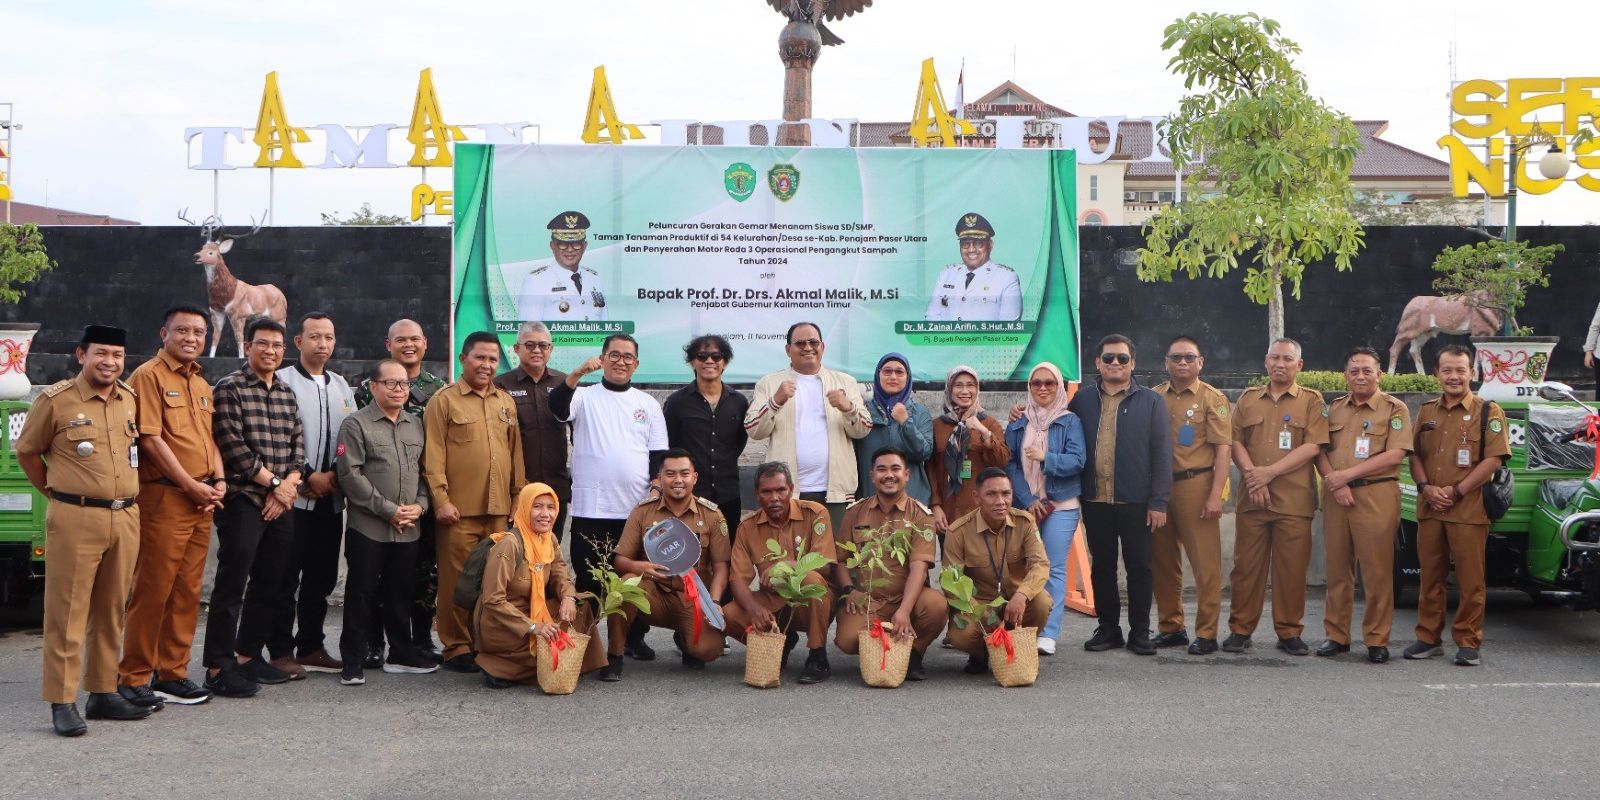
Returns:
(1019, 554)
(89, 445)
(473, 459)
(1205, 410)
(974, 461)
(807, 531)
(1461, 533)
(669, 605)
(928, 615)
(1276, 538)
(501, 624)
(1363, 533)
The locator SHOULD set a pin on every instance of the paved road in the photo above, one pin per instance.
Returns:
(1096, 725)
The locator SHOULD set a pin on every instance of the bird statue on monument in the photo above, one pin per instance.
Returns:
(815, 11)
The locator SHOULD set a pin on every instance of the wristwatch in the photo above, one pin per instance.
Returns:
(1422, 485)
(276, 482)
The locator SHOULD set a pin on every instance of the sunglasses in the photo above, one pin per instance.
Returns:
(711, 355)
(1183, 358)
(806, 344)
(1115, 358)
(1041, 383)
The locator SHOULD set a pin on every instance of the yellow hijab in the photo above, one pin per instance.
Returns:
(538, 548)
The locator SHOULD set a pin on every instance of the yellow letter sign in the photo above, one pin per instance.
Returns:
(274, 135)
(428, 128)
(602, 115)
(931, 120)
(1503, 117)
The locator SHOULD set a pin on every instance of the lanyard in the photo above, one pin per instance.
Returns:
(1005, 547)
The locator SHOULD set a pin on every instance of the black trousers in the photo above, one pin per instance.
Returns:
(424, 591)
(835, 510)
(313, 570)
(593, 540)
(379, 580)
(1107, 525)
(252, 555)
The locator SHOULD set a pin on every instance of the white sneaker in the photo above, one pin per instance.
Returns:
(1047, 646)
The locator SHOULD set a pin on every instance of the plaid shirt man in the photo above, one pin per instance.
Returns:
(256, 426)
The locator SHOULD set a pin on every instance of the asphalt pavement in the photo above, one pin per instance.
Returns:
(1111, 725)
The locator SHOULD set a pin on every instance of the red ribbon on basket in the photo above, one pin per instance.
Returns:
(1593, 432)
(883, 636)
(562, 641)
(692, 594)
(1002, 638)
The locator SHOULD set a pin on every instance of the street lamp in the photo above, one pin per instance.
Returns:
(8, 126)
(1553, 167)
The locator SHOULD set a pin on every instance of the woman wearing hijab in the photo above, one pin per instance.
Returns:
(1047, 452)
(898, 421)
(969, 441)
(528, 594)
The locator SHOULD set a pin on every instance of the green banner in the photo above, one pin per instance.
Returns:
(951, 256)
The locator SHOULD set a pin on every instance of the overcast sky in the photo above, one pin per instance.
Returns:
(105, 89)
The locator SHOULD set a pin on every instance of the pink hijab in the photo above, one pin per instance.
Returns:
(1037, 433)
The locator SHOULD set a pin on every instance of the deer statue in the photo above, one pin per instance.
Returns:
(1427, 316)
(227, 296)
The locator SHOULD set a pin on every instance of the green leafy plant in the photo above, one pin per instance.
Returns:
(962, 596)
(616, 592)
(881, 549)
(1268, 164)
(363, 216)
(788, 577)
(22, 259)
(1494, 274)
(1330, 381)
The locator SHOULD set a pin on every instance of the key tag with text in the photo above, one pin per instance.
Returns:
(1364, 442)
(1285, 438)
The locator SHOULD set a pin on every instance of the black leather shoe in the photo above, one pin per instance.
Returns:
(1378, 655)
(1330, 647)
(1104, 639)
(817, 669)
(141, 696)
(374, 658)
(1294, 646)
(1237, 643)
(1140, 644)
(1202, 646)
(64, 716)
(612, 671)
(1176, 638)
(976, 665)
(462, 663)
(637, 649)
(110, 705)
(495, 683)
(914, 670)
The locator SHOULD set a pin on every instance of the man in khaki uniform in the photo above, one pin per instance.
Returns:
(473, 464)
(180, 484)
(914, 610)
(1201, 445)
(1461, 441)
(1278, 429)
(797, 526)
(1369, 432)
(999, 548)
(670, 606)
(79, 447)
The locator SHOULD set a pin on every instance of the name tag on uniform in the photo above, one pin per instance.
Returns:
(518, 393)
(558, 288)
(133, 456)
(174, 394)
(1363, 447)
(966, 469)
(1463, 457)
(1186, 435)
(1285, 440)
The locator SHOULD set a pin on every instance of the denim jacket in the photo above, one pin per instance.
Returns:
(1062, 463)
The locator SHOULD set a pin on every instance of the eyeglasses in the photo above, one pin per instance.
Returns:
(1183, 358)
(892, 371)
(540, 346)
(622, 358)
(711, 355)
(806, 344)
(392, 384)
(276, 347)
(569, 246)
(1042, 383)
(969, 242)
(1115, 358)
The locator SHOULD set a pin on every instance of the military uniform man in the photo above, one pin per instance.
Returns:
(999, 548)
(670, 604)
(1202, 440)
(914, 610)
(1369, 432)
(1461, 441)
(1278, 429)
(977, 288)
(79, 447)
(564, 290)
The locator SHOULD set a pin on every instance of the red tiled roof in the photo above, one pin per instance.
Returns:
(30, 214)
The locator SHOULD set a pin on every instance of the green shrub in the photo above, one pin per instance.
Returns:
(1330, 381)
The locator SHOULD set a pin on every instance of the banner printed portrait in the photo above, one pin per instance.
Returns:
(950, 256)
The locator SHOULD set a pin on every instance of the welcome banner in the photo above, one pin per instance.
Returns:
(951, 256)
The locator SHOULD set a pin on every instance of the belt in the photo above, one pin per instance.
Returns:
(1183, 475)
(1358, 482)
(165, 481)
(93, 502)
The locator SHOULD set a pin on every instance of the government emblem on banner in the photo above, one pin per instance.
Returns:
(784, 181)
(740, 180)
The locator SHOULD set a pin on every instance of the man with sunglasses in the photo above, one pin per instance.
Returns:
(565, 290)
(544, 438)
(977, 288)
(1127, 476)
(706, 418)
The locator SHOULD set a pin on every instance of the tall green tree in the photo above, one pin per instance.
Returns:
(1268, 163)
(363, 216)
(22, 259)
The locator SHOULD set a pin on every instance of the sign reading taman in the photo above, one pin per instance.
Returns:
(1499, 113)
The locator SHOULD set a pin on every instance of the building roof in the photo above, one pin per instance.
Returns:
(30, 214)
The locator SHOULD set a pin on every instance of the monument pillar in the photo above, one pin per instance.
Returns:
(798, 46)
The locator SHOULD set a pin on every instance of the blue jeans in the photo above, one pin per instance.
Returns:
(1057, 532)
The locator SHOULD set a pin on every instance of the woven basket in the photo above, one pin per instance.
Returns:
(763, 659)
(885, 669)
(562, 679)
(1024, 669)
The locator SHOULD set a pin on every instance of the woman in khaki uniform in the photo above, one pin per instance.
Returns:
(966, 442)
(528, 591)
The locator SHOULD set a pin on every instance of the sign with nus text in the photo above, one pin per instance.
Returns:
(951, 256)
(1497, 115)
